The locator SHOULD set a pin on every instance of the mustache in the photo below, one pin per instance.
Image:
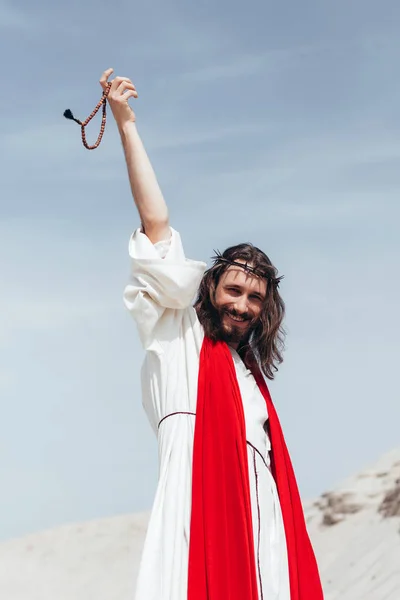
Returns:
(231, 311)
(251, 320)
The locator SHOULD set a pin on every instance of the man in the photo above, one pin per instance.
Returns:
(227, 522)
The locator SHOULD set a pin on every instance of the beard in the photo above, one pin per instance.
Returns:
(229, 332)
(232, 335)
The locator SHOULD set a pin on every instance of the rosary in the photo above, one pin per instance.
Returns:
(103, 102)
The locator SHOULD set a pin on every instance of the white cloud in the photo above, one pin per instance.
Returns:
(41, 139)
(244, 65)
(199, 135)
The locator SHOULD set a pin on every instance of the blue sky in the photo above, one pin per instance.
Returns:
(275, 123)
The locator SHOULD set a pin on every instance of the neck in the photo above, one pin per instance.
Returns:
(233, 345)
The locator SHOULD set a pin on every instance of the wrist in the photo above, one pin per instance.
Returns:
(126, 128)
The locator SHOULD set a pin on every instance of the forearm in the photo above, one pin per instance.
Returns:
(146, 192)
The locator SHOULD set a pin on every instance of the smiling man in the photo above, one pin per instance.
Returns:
(227, 521)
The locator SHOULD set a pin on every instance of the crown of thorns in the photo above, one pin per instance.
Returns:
(263, 273)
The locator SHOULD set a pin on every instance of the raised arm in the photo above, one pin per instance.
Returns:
(146, 192)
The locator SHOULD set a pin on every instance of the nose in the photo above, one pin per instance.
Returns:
(241, 305)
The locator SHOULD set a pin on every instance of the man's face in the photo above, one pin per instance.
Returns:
(239, 298)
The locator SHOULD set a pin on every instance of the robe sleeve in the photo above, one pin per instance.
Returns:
(162, 284)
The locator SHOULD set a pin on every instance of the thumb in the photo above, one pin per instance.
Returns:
(104, 78)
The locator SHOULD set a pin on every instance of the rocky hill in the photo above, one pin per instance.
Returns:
(356, 534)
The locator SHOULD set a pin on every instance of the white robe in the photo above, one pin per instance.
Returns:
(159, 296)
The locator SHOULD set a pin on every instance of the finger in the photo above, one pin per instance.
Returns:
(126, 81)
(125, 85)
(104, 78)
(116, 82)
(128, 94)
(133, 95)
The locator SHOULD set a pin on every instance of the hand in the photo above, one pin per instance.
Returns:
(121, 90)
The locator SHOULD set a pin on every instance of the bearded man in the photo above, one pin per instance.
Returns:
(227, 522)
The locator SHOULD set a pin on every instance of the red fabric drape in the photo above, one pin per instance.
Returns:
(221, 550)
(305, 583)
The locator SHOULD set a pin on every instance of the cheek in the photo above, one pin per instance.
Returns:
(255, 310)
(226, 300)
(221, 298)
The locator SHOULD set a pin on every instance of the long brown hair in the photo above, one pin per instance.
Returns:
(266, 340)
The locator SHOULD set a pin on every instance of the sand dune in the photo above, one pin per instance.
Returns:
(355, 531)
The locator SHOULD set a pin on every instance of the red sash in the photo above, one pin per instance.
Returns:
(221, 551)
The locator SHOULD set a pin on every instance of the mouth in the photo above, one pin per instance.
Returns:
(236, 319)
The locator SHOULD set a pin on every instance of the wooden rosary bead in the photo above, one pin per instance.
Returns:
(102, 103)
